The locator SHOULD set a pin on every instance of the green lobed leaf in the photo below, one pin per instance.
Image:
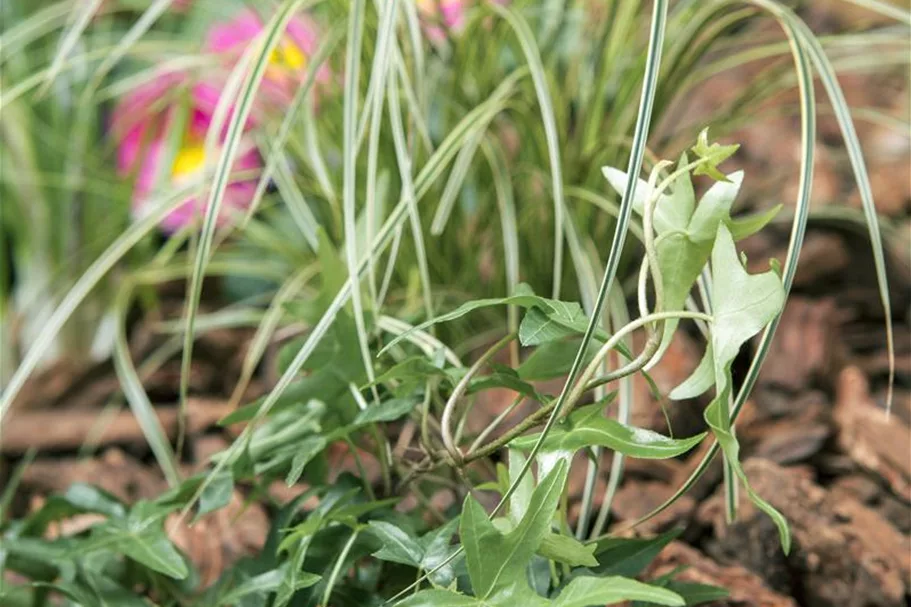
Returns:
(437, 550)
(386, 411)
(685, 232)
(553, 359)
(521, 496)
(714, 153)
(505, 377)
(308, 448)
(92, 589)
(629, 557)
(543, 325)
(266, 583)
(568, 550)
(743, 304)
(700, 380)
(715, 416)
(586, 427)
(596, 591)
(439, 598)
(92, 499)
(565, 318)
(496, 561)
(140, 537)
(324, 384)
(398, 545)
(414, 371)
(217, 494)
(747, 225)
(697, 594)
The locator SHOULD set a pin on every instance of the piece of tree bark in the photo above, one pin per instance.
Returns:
(68, 430)
(878, 442)
(746, 589)
(843, 554)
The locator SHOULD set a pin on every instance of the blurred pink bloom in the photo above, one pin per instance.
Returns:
(288, 63)
(141, 122)
(440, 18)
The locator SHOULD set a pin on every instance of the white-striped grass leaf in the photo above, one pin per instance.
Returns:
(258, 55)
(408, 193)
(135, 393)
(81, 18)
(539, 78)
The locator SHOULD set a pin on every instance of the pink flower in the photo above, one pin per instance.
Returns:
(288, 62)
(440, 18)
(142, 123)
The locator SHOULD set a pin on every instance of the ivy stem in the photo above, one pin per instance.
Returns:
(583, 385)
(496, 422)
(459, 390)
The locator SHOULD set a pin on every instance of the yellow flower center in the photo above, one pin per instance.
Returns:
(189, 159)
(288, 55)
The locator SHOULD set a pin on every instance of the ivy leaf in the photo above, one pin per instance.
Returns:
(266, 583)
(521, 497)
(685, 233)
(696, 594)
(140, 537)
(714, 154)
(307, 449)
(437, 549)
(92, 589)
(398, 545)
(505, 377)
(386, 411)
(553, 359)
(617, 180)
(568, 550)
(88, 498)
(217, 494)
(440, 598)
(295, 577)
(586, 427)
(741, 227)
(497, 561)
(415, 371)
(589, 591)
(325, 385)
(743, 305)
(523, 297)
(508, 596)
(716, 415)
(630, 556)
(558, 320)
(425, 553)
(561, 317)
(700, 380)
(713, 209)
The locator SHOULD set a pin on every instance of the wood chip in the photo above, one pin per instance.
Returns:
(747, 589)
(878, 442)
(844, 553)
(68, 430)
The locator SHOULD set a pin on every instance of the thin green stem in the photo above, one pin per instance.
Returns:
(459, 390)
